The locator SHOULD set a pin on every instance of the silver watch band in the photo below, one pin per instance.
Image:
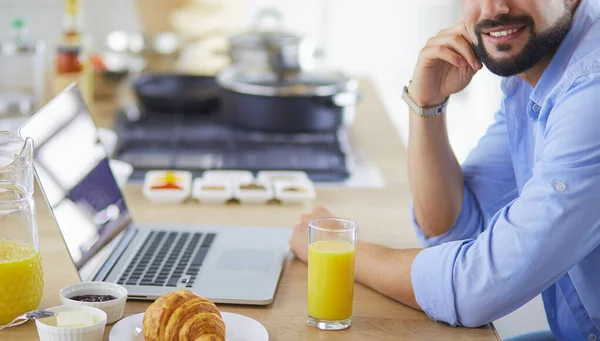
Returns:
(422, 111)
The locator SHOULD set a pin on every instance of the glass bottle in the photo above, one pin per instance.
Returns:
(22, 76)
(72, 63)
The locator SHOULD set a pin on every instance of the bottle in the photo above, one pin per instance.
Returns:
(22, 76)
(72, 62)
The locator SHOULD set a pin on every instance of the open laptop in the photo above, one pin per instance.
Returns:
(239, 265)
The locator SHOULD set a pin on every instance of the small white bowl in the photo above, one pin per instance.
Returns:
(212, 196)
(273, 176)
(48, 331)
(114, 309)
(305, 191)
(254, 196)
(161, 196)
(234, 177)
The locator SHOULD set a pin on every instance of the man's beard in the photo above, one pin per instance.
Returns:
(538, 46)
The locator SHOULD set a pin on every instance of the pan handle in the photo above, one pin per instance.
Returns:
(344, 99)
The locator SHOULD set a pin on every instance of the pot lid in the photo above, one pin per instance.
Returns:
(262, 33)
(267, 83)
(258, 39)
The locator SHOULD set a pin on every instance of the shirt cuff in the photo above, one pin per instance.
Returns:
(432, 281)
(468, 225)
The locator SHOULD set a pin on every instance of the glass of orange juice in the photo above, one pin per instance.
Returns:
(331, 253)
(21, 278)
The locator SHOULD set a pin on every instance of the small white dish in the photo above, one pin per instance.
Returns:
(212, 192)
(294, 192)
(121, 170)
(48, 331)
(238, 328)
(255, 192)
(230, 176)
(109, 139)
(273, 176)
(113, 309)
(158, 178)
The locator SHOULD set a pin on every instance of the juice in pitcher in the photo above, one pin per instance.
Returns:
(21, 280)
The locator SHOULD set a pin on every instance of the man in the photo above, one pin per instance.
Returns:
(521, 216)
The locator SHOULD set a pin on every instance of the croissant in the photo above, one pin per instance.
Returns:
(183, 316)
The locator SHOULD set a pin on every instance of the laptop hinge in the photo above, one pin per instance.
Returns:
(128, 235)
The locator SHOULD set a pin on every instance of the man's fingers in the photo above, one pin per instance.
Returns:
(446, 54)
(457, 43)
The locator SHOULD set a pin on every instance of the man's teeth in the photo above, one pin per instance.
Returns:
(504, 33)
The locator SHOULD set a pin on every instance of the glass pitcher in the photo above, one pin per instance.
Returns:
(21, 278)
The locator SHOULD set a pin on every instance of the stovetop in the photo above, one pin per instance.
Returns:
(198, 142)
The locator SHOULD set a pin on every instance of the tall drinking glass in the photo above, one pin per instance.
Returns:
(331, 253)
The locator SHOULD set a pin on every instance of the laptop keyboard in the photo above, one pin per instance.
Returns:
(168, 259)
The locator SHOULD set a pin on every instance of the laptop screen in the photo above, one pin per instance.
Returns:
(73, 171)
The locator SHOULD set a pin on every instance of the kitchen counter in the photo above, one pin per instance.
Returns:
(382, 215)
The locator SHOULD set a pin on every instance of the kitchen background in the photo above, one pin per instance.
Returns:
(379, 39)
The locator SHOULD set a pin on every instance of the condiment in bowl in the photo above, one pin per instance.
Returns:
(109, 297)
(294, 192)
(93, 298)
(212, 192)
(254, 192)
(72, 323)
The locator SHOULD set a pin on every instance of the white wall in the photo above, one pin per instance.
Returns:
(377, 38)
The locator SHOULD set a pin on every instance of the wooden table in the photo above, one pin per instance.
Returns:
(382, 215)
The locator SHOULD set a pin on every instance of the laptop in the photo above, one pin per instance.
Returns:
(236, 265)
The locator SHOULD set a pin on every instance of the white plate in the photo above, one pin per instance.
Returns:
(239, 328)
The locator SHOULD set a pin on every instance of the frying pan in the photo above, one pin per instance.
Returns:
(168, 92)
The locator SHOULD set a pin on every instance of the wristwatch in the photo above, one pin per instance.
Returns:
(424, 111)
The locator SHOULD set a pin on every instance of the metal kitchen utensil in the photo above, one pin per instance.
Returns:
(270, 46)
(169, 93)
(305, 102)
(32, 315)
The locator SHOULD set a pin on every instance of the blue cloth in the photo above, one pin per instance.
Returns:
(530, 218)
(543, 335)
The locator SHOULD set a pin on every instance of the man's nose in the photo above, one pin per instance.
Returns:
(490, 9)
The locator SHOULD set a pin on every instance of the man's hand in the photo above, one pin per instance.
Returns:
(446, 66)
(299, 240)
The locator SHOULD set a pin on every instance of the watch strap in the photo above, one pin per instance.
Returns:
(424, 111)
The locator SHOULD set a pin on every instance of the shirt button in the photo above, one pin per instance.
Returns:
(560, 186)
(592, 337)
(536, 108)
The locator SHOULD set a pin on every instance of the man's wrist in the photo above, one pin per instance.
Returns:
(422, 101)
(423, 111)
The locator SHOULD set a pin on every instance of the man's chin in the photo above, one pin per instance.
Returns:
(504, 51)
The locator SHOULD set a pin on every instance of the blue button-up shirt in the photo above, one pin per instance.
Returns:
(530, 218)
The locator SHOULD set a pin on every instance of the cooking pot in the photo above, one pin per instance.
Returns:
(255, 47)
(260, 99)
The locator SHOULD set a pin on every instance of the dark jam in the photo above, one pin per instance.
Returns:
(93, 298)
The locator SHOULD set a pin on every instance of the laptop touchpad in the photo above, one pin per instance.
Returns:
(246, 260)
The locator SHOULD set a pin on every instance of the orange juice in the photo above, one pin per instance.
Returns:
(21, 280)
(330, 280)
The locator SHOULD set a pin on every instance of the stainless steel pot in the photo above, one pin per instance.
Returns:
(307, 102)
(258, 47)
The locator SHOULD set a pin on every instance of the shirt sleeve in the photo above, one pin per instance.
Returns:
(489, 185)
(532, 241)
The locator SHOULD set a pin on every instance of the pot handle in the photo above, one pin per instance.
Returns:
(262, 17)
(344, 99)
